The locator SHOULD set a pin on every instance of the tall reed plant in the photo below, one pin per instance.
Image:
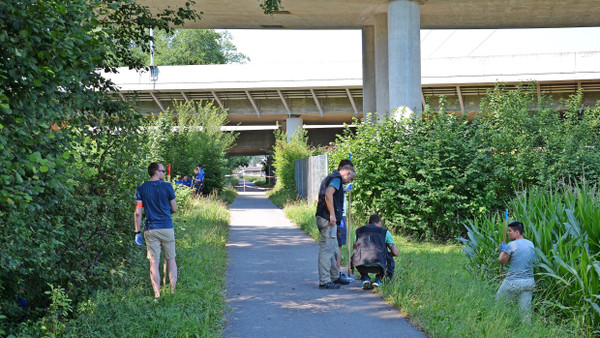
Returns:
(564, 225)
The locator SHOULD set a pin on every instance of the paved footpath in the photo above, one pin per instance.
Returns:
(272, 283)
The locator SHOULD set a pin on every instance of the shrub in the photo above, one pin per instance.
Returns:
(284, 155)
(423, 176)
(188, 134)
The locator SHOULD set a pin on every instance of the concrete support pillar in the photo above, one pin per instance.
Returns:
(368, 64)
(381, 65)
(293, 125)
(404, 58)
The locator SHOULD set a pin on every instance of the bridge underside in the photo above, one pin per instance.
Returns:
(354, 14)
(260, 142)
(336, 106)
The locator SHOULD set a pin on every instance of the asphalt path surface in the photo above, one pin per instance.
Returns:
(272, 283)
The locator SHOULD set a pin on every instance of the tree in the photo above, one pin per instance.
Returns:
(195, 47)
(67, 146)
(188, 134)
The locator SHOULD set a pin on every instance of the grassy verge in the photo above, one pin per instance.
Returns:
(432, 288)
(258, 180)
(228, 195)
(196, 309)
(280, 197)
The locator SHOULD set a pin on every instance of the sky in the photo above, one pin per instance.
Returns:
(327, 46)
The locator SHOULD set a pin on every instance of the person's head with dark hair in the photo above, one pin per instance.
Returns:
(516, 226)
(199, 165)
(375, 219)
(154, 167)
(344, 163)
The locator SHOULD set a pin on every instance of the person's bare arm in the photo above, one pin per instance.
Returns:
(173, 206)
(503, 258)
(393, 249)
(137, 216)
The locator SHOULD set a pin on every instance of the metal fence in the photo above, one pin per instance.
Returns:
(309, 172)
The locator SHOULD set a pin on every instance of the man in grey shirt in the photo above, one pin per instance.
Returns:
(519, 282)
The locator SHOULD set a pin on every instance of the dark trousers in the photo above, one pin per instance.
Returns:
(389, 271)
(365, 269)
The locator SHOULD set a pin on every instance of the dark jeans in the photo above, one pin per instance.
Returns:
(364, 270)
(389, 271)
(199, 188)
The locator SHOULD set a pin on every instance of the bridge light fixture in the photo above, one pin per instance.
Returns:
(154, 73)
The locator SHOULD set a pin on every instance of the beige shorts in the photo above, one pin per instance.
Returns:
(157, 239)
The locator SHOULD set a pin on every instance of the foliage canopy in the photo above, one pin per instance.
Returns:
(68, 148)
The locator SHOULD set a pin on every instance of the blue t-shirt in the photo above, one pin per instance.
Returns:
(200, 175)
(156, 197)
(522, 256)
(335, 183)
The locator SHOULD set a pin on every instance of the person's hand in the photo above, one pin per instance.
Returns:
(139, 240)
(332, 220)
(502, 246)
(348, 187)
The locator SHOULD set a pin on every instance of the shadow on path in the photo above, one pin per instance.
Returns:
(272, 283)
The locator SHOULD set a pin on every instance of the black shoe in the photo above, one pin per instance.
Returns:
(346, 278)
(343, 281)
(329, 285)
(376, 283)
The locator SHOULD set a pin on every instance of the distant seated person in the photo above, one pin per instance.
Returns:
(187, 181)
(184, 181)
(371, 254)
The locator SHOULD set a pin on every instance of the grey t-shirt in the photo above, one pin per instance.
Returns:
(522, 257)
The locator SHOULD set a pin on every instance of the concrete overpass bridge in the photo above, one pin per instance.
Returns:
(391, 63)
(322, 97)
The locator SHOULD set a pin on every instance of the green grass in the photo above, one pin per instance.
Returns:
(280, 197)
(228, 194)
(432, 287)
(196, 309)
(232, 181)
(258, 180)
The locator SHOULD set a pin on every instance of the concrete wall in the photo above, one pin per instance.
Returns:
(309, 172)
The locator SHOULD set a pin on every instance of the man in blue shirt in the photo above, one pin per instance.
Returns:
(519, 282)
(199, 179)
(329, 216)
(341, 229)
(157, 198)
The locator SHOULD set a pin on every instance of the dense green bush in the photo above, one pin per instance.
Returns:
(564, 225)
(68, 149)
(423, 176)
(426, 176)
(284, 155)
(188, 134)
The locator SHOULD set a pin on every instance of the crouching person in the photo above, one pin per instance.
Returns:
(371, 254)
(519, 283)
